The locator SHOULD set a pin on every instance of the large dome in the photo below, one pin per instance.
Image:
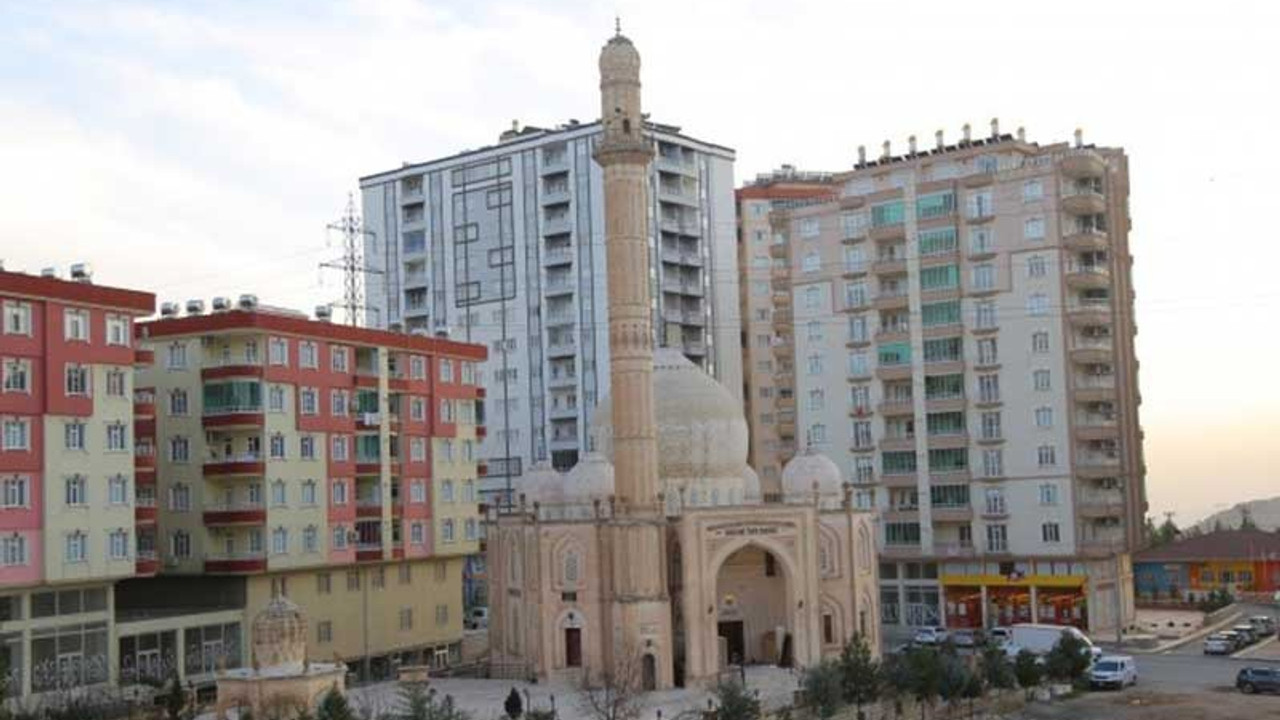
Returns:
(809, 471)
(701, 431)
(591, 479)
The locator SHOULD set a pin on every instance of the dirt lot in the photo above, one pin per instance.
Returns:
(1138, 704)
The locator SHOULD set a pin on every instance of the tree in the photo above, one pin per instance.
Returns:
(174, 699)
(1069, 659)
(1246, 519)
(926, 672)
(953, 678)
(1027, 670)
(733, 702)
(420, 703)
(615, 692)
(514, 706)
(334, 706)
(995, 669)
(822, 688)
(896, 679)
(973, 690)
(859, 674)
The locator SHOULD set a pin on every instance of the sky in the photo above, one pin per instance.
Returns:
(200, 148)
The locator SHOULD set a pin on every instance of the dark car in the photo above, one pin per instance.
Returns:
(1256, 679)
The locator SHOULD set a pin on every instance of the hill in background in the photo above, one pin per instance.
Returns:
(1265, 514)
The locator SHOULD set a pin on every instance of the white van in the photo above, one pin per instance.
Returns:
(1040, 639)
(1115, 671)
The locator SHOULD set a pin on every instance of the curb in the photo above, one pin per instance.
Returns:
(1202, 632)
(1249, 651)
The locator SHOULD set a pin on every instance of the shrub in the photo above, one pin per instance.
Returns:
(735, 703)
(822, 688)
(1027, 670)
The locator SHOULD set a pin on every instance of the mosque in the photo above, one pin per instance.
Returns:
(657, 554)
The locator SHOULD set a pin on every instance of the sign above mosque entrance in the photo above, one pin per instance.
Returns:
(750, 529)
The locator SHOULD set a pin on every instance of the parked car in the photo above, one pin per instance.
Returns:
(931, 635)
(968, 638)
(1246, 632)
(1115, 671)
(1219, 644)
(477, 618)
(1256, 679)
(1237, 641)
(1265, 625)
(1000, 635)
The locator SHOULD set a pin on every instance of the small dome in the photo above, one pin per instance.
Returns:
(806, 470)
(590, 479)
(750, 486)
(543, 484)
(280, 635)
(619, 57)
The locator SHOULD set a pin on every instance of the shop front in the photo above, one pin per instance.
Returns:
(978, 601)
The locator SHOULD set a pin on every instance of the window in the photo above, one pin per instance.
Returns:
(339, 492)
(854, 260)
(447, 530)
(861, 435)
(307, 447)
(941, 277)
(1048, 494)
(1037, 304)
(814, 328)
(1040, 342)
(417, 367)
(937, 241)
(16, 492)
(1036, 266)
(857, 329)
(340, 538)
(17, 375)
(938, 350)
(470, 533)
(816, 400)
(446, 411)
(74, 435)
(77, 377)
(278, 351)
(416, 534)
(180, 498)
(117, 437)
(308, 355)
(17, 318)
(855, 294)
(13, 550)
(310, 539)
(997, 538)
(275, 399)
(812, 299)
(17, 435)
(279, 493)
(118, 490)
(76, 491)
(277, 448)
(948, 460)
(811, 263)
(117, 330)
(340, 447)
(993, 463)
(815, 364)
(1046, 456)
(446, 370)
(991, 429)
(116, 384)
(279, 541)
(889, 213)
(988, 388)
(980, 204)
(338, 403)
(900, 533)
(988, 351)
(1032, 190)
(417, 410)
(77, 547)
(406, 618)
(1044, 417)
(984, 276)
(940, 313)
(119, 544)
(1040, 380)
(809, 227)
(981, 240)
(308, 401)
(935, 205)
(985, 315)
(417, 492)
(1050, 532)
(1033, 228)
(898, 463)
(176, 356)
(995, 503)
(178, 404)
(446, 491)
(337, 358)
(75, 325)
(817, 434)
(324, 632)
(418, 449)
(442, 614)
(894, 353)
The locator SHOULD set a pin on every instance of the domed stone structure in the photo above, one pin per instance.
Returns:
(591, 479)
(811, 472)
(702, 435)
(280, 635)
(543, 484)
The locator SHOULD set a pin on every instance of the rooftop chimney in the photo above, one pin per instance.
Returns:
(324, 313)
(1022, 134)
(911, 143)
(967, 131)
(862, 154)
(884, 152)
(49, 272)
(82, 272)
(937, 138)
(995, 128)
(1079, 137)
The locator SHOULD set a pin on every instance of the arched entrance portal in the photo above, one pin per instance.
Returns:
(752, 621)
(649, 673)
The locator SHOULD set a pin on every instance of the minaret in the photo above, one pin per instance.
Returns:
(640, 604)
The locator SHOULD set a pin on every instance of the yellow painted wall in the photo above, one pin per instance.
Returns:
(351, 611)
(293, 470)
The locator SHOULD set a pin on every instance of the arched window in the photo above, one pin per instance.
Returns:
(571, 569)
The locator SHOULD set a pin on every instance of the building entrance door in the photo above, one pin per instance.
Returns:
(573, 647)
(733, 633)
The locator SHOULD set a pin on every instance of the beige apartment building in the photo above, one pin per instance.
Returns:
(954, 327)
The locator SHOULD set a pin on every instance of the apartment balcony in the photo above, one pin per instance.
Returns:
(144, 510)
(1102, 541)
(554, 163)
(995, 512)
(680, 227)
(901, 552)
(144, 459)
(898, 480)
(558, 286)
(895, 264)
(1077, 201)
(887, 232)
(368, 552)
(950, 403)
(982, 252)
(666, 163)
(557, 226)
(897, 408)
(677, 195)
(900, 332)
(232, 563)
(894, 372)
(564, 442)
(857, 302)
(954, 550)
(1082, 163)
(1093, 464)
(951, 514)
(782, 346)
(555, 196)
(232, 417)
(556, 319)
(563, 412)
(146, 563)
(948, 441)
(1100, 504)
(143, 359)
(904, 513)
(778, 251)
(1091, 350)
(562, 348)
(786, 424)
(861, 412)
(1081, 239)
(946, 476)
(242, 465)
(782, 299)
(898, 443)
(144, 403)
(858, 342)
(894, 300)
(780, 280)
(1086, 311)
(371, 508)
(1088, 276)
(562, 380)
(557, 256)
(696, 348)
(692, 288)
(994, 437)
(234, 514)
(215, 369)
(1094, 388)
(785, 403)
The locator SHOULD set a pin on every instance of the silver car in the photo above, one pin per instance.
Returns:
(1219, 644)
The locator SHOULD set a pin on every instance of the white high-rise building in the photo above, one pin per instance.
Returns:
(505, 246)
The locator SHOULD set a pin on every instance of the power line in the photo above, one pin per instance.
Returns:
(352, 262)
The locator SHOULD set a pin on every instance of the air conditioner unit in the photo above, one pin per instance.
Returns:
(195, 307)
(221, 304)
(248, 301)
(168, 309)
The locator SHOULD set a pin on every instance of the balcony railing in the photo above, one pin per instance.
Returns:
(236, 556)
(234, 507)
(1105, 458)
(236, 409)
(223, 459)
(1096, 382)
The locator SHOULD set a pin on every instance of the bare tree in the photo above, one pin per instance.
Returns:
(614, 693)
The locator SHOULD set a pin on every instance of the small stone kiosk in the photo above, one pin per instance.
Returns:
(281, 677)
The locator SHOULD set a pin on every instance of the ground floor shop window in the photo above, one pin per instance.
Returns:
(68, 657)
